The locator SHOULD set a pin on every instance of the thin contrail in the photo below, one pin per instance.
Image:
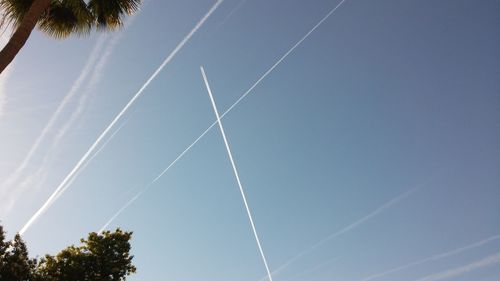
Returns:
(95, 77)
(63, 186)
(94, 74)
(10, 203)
(234, 10)
(239, 100)
(230, 155)
(6, 207)
(487, 261)
(314, 269)
(111, 137)
(345, 229)
(60, 108)
(434, 258)
(129, 202)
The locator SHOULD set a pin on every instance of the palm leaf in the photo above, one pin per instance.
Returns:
(108, 14)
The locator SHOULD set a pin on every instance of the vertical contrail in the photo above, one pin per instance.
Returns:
(434, 258)
(63, 185)
(255, 84)
(236, 173)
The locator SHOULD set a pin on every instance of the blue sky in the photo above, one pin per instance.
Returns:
(372, 146)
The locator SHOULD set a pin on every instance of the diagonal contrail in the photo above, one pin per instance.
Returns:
(89, 92)
(345, 229)
(129, 202)
(226, 143)
(457, 271)
(255, 84)
(63, 186)
(60, 108)
(95, 76)
(434, 258)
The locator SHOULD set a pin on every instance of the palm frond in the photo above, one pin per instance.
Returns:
(14, 10)
(66, 17)
(108, 14)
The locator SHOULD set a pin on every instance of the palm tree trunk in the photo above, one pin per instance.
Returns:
(23, 31)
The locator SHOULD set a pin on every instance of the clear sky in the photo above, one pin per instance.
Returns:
(371, 152)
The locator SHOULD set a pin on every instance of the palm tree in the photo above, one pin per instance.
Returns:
(59, 19)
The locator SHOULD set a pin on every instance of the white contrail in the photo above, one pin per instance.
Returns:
(93, 69)
(63, 186)
(240, 99)
(234, 10)
(314, 269)
(236, 173)
(95, 77)
(434, 258)
(6, 207)
(345, 229)
(60, 108)
(488, 261)
(129, 202)
(85, 164)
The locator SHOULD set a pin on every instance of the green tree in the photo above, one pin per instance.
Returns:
(100, 257)
(15, 264)
(59, 19)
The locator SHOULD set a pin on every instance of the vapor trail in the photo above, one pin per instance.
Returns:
(234, 10)
(95, 73)
(346, 229)
(60, 108)
(314, 269)
(236, 173)
(240, 99)
(111, 137)
(434, 258)
(95, 76)
(129, 202)
(488, 261)
(63, 186)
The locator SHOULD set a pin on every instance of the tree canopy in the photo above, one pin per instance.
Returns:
(100, 257)
(59, 19)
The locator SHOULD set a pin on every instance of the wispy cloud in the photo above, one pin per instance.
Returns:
(64, 184)
(89, 90)
(457, 271)
(236, 174)
(245, 94)
(345, 229)
(10, 194)
(305, 274)
(94, 77)
(59, 110)
(232, 12)
(434, 258)
(88, 79)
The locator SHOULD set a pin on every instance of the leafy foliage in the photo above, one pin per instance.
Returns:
(66, 17)
(101, 257)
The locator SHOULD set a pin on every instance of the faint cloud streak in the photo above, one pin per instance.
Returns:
(454, 272)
